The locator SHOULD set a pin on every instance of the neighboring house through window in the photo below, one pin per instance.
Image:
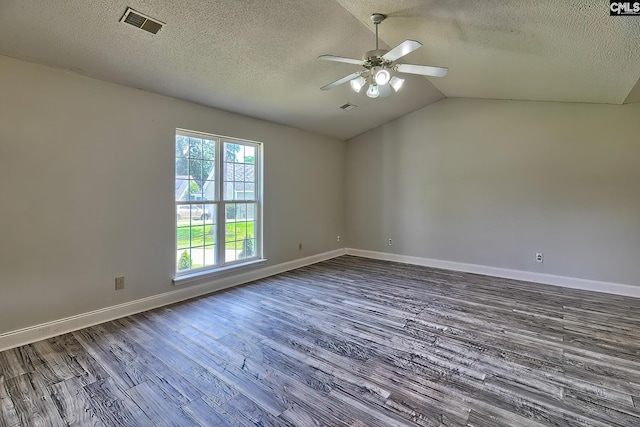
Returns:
(218, 202)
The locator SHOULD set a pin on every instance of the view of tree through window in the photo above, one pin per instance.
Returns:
(217, 201)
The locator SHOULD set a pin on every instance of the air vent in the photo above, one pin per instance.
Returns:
(348, 106)
(141, 21)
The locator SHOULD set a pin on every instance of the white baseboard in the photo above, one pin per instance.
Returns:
(69, 324)
(527, 276)
(57, 327)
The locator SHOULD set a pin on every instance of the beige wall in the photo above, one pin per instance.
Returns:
(493, 182)
(86, 181)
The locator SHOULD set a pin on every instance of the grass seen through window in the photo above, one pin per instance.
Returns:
(203, 235)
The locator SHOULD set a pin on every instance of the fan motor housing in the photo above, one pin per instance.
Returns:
(377, 18)
(373, 58)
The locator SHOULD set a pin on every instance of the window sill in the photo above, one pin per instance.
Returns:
(207, 274)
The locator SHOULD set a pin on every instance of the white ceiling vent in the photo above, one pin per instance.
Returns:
(142, 21)
(348, 106)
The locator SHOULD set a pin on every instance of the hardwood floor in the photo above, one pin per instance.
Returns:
(350, 341)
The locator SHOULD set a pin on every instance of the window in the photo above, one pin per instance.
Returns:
(218, 202)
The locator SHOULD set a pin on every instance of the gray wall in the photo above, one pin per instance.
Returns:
(493, 182)
(86, 180)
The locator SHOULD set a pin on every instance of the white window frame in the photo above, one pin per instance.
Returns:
(221, 209)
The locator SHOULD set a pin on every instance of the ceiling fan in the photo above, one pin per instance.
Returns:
(380, 67)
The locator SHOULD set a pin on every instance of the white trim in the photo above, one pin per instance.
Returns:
(527, 276)
(62, 326)
(219, 201)
(205, 274)
(57, 327)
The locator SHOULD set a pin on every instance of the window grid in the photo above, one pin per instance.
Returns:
(218, 220)
(240, 200)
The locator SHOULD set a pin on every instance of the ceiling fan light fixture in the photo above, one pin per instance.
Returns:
(373, 92)
(381, 66)
(358, 83)
(396, 83)
(382, 76)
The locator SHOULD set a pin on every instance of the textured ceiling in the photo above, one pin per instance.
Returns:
(541, 50)
(259, 57)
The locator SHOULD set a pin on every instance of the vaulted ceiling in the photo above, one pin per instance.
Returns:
(259, 57)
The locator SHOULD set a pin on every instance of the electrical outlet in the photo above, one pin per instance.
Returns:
(338, 238)
(119, 283)
(299, 246)
(390, 242)
(539, 257)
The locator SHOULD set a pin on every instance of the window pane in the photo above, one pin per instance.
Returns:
(209, 190)
(228, 171)
(230, 234)
(238, 190)
(208, 170)
(182, 146)
(240, 236)
(231, 151)
(195, 169)
(195, 148)
(251, 211)
(247, 248)
(249, 154)
(250, 173)
(209, 233)
(183, 237)
(182, 167)
(249, 191)
(230, 253)
(208, 149)
(184, 260)
(209, 255)
(239, 173)
(183, 214)
(197, 257)
(231, 212)
(195, 192)
(251, 227)
(197, 230)
(209, 214)
(200, 180)
(228, 181)
(182, 188)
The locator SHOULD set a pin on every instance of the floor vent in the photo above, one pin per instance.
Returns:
(141, 21)
(348, 106)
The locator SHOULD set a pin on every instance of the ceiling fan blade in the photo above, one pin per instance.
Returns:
(340, 59)
(401, 50)
(340, 81)
(425, 70)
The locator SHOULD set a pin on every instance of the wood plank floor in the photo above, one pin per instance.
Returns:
(350, 341)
